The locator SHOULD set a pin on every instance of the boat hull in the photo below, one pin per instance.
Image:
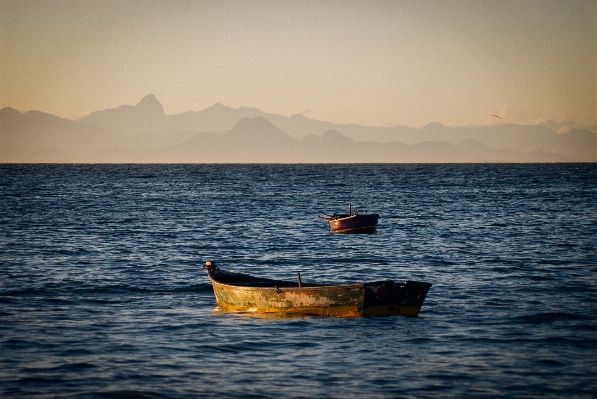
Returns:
(361, 223)
(383, 298)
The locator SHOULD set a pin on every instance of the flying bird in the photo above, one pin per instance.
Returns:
(495, 116)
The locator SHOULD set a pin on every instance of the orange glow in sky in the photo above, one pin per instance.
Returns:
(378, 63)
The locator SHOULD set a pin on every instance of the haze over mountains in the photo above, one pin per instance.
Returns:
(219, 134)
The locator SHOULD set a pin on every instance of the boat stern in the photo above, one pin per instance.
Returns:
(386, 298)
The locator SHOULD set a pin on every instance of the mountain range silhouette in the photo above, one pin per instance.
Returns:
(219, 134)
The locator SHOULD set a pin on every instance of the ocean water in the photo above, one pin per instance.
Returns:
(102, 292)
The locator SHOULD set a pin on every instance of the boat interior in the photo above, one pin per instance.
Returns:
(231, 278)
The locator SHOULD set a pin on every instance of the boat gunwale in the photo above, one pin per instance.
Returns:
(342, 217)
(356, 215)
(304, 288)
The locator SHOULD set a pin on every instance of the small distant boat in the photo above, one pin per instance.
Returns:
(355, 221)
(242, 292)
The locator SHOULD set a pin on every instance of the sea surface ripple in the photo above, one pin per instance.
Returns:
(102, 292)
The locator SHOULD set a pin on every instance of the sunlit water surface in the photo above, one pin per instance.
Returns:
(102, 292)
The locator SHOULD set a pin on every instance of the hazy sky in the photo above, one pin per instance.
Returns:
(380, 63)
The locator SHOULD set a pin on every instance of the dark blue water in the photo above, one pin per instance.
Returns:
(102, 292)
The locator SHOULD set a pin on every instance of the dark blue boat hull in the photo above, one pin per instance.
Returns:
(359, 223)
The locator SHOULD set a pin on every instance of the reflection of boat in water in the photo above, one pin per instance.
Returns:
(242, 292)
(355, 221)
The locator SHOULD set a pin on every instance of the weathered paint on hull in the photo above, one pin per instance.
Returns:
(322, 301)
(382, 298)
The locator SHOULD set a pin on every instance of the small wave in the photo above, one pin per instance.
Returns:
(118, 288)
(128, 394)
(73, 291)
(75, 366)
(588, 327)
(142, 176)
(550, 362)
(451, 377)
(153, 289)
(30, 380)
(540, 278)
(23, 292)
(15, 343)
(548, 317)
(202, 287)
(499, 224)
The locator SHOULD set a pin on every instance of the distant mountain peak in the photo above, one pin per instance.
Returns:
(334, 135)
(148, 99)
(151, 104)
(9, 111)
(433, 126)
(250, 109)
(256, 122)
(257, 128)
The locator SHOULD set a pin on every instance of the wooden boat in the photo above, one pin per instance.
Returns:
(355, 221)
(242, 292)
